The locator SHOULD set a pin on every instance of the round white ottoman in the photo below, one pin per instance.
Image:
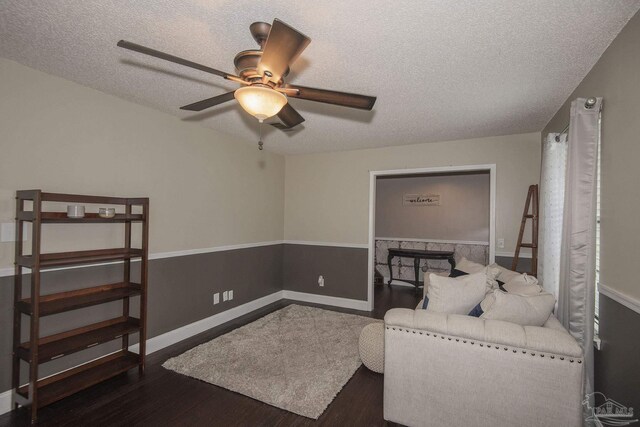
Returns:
(371, 346)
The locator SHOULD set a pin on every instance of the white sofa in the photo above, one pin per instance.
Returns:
(459, 370)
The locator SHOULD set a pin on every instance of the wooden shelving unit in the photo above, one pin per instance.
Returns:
(37, 350)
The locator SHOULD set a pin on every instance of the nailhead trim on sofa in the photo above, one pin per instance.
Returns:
(497, 347)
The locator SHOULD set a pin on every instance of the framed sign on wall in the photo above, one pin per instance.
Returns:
(421, 200)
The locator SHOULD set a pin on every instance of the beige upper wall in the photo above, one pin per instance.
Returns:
(327, 194)
(463, 213)
(206, 188)
(616, 78)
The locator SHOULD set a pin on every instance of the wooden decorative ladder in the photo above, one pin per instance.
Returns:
(530, 205)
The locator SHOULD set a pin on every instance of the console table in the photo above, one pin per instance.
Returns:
(417, 255)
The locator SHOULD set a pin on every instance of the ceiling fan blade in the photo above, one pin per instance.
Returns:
(289, 118)
(352, 100)
(156, 53)
(210, 102)
(282, 47)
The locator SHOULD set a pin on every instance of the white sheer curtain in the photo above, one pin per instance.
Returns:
(552, 183)
(576, 299)
(568, 224)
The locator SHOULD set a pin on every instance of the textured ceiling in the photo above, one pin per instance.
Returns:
(441, 70)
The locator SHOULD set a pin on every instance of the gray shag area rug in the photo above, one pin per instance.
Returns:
(297, 358)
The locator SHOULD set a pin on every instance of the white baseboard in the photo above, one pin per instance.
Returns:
(169, 338)
(161, 341)
(172, 337)
(6, 401)
(629, 302)
(327, 300)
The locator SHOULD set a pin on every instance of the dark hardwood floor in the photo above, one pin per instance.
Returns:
(165, 398)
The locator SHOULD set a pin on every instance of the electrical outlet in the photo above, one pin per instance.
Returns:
(321, 280)
(230, 294)
(501, 243)
(216, 298)
(225, 296)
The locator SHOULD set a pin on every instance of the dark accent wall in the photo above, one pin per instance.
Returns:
(344, 270)
(617, 363)
(180, 292)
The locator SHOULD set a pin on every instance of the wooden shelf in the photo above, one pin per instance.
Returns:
(69, 382)
(58, 259)
(36, 350)
(62, 344)
(65, 301)
(92, 218)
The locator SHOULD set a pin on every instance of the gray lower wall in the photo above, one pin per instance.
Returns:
(344, 270)
(617, 363)
(180, 292)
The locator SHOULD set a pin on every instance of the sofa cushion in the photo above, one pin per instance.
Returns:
(456, 295)
(522, 285)
(482, 306)
(425, 288)
(469, 267)
(525, 310)
(477, 310)
(505, 275)
(491, 272)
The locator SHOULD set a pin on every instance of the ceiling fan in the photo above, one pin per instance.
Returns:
(261, 72)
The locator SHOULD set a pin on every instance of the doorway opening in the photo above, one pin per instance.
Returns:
(420, 220)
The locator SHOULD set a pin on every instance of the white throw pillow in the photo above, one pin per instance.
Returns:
(505, 275)
(523, 285)
(456, 295)
(425, 288)
(524, 310)
(469, 266)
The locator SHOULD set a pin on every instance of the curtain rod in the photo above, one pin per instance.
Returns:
(588, 104)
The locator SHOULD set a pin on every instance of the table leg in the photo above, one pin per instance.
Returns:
(389, 259)
(416, 269)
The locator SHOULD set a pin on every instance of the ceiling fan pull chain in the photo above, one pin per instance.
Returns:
(260, 144)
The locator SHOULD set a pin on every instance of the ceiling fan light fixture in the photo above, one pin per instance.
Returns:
(261, 102)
